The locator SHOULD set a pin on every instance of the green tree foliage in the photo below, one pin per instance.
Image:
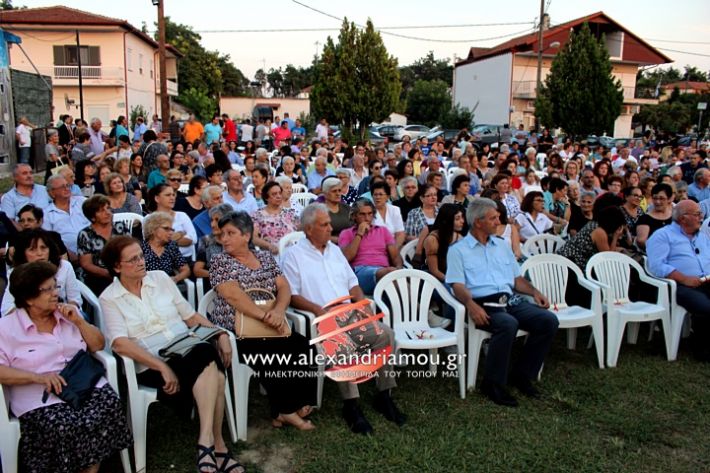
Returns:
(676, 115)
(203, 106)
(288, 81)
(583, 95)
(457, 118)
(425, 68)
(428, 101)
(137, 111)
(356, 80)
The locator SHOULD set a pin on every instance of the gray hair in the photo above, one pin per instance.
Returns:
(681, 186)
(340, 171)
(153, 221)
(281, 180)
(95, 120)
(16, 168)
(530, 151)
(674, 170)
(406, 180)
(308, 216)
(287, 159)
(208, 191)
(699, 174)
(329, 183)
(322, 153)
(504, 148)
(584, 194)
(53, 178)
(478, 208)
(240, 220)
(359, 205)
(227, 173)
(221, 209)
(260, 151)
(52, 132)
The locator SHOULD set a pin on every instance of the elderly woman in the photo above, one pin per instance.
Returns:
(143, 311)
(92, 239)
(161, 198)
(420, 218)
(460, 188)
(121, 201)
(386, 214)
(259, 178)
(210, 245)
(658, 217)
(51, 150)
(234, 274)
(31, 217)
(332, 188)
(38, 245)
(349, 193)
(286, 193)
(160, 250)
(532, 220)
(273, 222)
(289, 169)
(55, 437)
(581, 214)
(174, 179)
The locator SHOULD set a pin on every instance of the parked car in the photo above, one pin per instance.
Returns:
(372, 136)
(412, 131)
(486, 133)
(386, 130)
(448, 134)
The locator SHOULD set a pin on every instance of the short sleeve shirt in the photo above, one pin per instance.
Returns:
(169, 262)
(373, 246)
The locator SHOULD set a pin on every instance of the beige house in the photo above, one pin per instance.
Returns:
(243, 107)
(119, 62)
(500, 82)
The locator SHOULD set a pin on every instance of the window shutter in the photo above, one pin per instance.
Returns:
(94, 56)
(59, 59)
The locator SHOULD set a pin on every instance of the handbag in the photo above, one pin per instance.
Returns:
(81, 373)
(59, 167)
(183, 343)
(249, 327)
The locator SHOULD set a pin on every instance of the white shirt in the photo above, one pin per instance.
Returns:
(25, 138)
(66, 283)
(247, 133)
(182, 223)
(317, 277)
(392, 221)
(68, 225)
(321, 131)
(530, 227)
(152, 320)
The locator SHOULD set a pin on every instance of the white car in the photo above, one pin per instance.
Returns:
(412, 131)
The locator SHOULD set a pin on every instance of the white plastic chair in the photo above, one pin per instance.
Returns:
(542, 244)
(550, 274)
(409, 293)
(129, 218)
(680, 324)
(476, 337)
(612, 271)
(298, 188)
(407, 253)
(10, 434)
(289, 239)
(303, 198)
(184, 188)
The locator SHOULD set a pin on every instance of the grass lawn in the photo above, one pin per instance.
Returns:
(646, 415)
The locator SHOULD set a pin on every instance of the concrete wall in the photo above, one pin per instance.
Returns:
(31, 97)
(242, 107)
(485, 87)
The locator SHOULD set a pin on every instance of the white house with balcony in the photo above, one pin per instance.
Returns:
(499, 83)
(119, 63)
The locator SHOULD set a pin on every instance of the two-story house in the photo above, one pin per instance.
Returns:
(500, 82)
(119, 63)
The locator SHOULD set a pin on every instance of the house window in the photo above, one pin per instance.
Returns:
(69, 55)
(129, 57)
(140, 64)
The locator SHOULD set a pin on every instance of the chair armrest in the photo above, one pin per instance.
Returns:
(129, 367)
(110, 366)
(596, 290)
(302, 321)
(660, 284)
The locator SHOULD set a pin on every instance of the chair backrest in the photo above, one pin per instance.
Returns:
(238, 167)
(129, 218)
(289, 239)
(184, 188)
(549, 274)
(409, 293)
(407, 253)
(250, 189)
(541, 244)
(303, 198)
(614, 270)
(298, 188)
(207, 302)
(4, 408)
(92, 301)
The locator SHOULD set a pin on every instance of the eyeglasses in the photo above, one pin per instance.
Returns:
(376, 168)
(431, 195)
(135, 259)
(50, 289)
(175, 179)
(379, 194)
(27, 220)
(695, 214)
(65, 186)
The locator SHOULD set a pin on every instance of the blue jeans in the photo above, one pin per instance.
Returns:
(367, 277)
(24, 156)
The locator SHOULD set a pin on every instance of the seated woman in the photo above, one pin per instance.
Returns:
(192, 204)
(92, 239)
(532, 219)
(332, 190)
(121, 200)
(508, 231)
(259, 178)
(233, 274)
(349, 192)
(31, 217)
(460, 188)
(601, 234)
(420, 218)
(286, 193)
(161, 198)
(272, 222)
(56, 437)
(386, 214)
(581, 214)
(37, 245)
(161, 252)
(659, 216)
(143, 311)
(210, 245)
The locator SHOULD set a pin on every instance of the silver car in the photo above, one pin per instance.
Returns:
(412, 131)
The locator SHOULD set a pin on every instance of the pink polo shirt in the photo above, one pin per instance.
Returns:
(373, 247)
(24, 348)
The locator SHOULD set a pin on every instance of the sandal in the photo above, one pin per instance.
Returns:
(210, 462)
(293, 420)
(226, 457)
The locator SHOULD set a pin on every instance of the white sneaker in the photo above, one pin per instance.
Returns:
(436, 321)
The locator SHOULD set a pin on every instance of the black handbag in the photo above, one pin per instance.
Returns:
(81, 374)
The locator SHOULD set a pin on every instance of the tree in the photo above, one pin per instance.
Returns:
(276, 82)
(457, 118)
(425, 68)
(584, 96)
(428, 101)
(202, 105)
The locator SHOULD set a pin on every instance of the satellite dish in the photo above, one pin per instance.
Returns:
(68, 102)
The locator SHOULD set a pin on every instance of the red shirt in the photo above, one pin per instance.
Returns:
(230, 130)
(280, 134)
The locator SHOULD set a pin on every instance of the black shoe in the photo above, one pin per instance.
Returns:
(525, 386)
(356, 419)
(386, 406)
(498, 394)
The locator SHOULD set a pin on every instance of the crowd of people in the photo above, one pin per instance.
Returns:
(216, 201)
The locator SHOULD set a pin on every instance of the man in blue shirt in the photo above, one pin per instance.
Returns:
(24, 192)
(211, 197)
(320, 172)
(486, 278)
(213, 132)
(681, 252)
(700, 188)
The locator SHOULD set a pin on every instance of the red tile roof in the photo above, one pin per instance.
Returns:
(683, 85)
(65, 16)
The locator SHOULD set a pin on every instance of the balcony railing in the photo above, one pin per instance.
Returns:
(526, 89)
(72, 72)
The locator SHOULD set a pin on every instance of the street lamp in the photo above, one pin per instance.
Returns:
(164, 99)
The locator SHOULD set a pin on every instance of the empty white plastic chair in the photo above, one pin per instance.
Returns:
(290, 239)
(407, 253)
(612, 271)
(409, 297)
(550, 275)
(303, 198)
(129, 218)
(542, 244)
(298, 188)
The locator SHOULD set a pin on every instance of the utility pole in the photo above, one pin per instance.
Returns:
(164, 99)
(81, 83)
(539, 58)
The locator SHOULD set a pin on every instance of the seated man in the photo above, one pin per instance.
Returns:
(371, 250)
(318, 273)
(681, 252)
(485, 277)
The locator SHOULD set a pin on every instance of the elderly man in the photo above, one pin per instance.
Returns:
(360, 172)
(24, 192)
(65, 215)
(159, 175)
(681, 252)
(700, 189)
(98, 136)
(211, 197)
(486, 278)
(690, 167)
(235, 195)
(315, 177)
(371, 250)
(318, 273)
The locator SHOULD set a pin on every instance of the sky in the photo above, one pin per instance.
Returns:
(445, 27)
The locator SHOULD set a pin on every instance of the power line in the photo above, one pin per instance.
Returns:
(410, 27)
(684, 52)
(675, 41)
